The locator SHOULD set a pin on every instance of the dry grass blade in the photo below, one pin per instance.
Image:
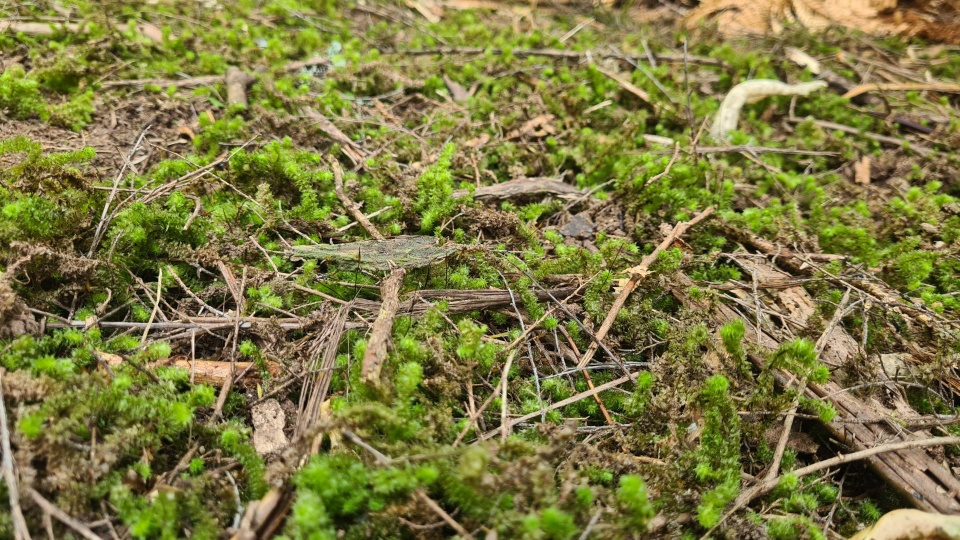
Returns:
(318, 371)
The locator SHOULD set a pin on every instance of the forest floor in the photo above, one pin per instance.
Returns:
(324, 269)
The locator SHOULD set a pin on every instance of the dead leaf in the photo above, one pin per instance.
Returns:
(184, 130)
(930, 19)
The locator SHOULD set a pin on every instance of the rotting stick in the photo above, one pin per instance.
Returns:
(348, 203)
(636, 274)
(21, 532)
(376, 352)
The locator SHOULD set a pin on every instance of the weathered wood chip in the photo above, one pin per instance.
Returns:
(404, 251)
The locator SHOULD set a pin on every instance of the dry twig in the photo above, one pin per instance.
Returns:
(348, 203)
(376, 352)
(636, 274)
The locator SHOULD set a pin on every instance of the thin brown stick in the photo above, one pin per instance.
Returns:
(20, 530)
(564, 402)
(769, 485)
(376, 352)
(62, 516)
(420, 493)
(476, 416)
(156, 306)
(351, 206)
(627, 85)
(504, 381)
(666, 171)
(586, 375)
(636, 274)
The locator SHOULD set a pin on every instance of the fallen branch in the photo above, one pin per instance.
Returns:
(50, 28)
(728, 116)
(627, 85)
(376, 351)
(637, 273)
(893, 141)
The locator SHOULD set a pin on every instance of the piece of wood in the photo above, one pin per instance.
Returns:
(380, 334)
(212, 372)
(237, 82)
(406, 251)
(348, 203)
(523, 187)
